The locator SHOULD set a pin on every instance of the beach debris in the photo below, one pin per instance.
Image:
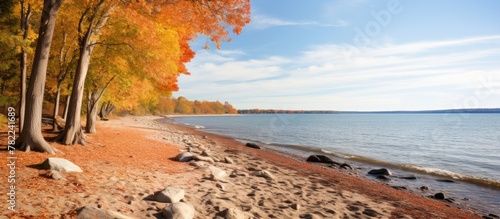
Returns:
(439, 196)
(263, 173)
(203, 158)
(318, 158)
(228, 160)
(252, 145)
(216, 173)
(88, 212)
(179, 210)
(184, 156)
(170, 195)
(382, 171)
(60, 164)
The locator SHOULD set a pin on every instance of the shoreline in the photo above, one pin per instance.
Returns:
(130, 159)
(435, 181)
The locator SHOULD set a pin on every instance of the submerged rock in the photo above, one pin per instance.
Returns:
(318, 158)
(439, 196)
(445, 180)
(252, 145)
(382, 171)
(408, 177)
(345, 166)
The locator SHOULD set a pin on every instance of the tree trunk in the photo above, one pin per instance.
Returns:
(55, 127)
(73, 133)
(92, 103)
(25, 17)
(31, 137)
(66, 107)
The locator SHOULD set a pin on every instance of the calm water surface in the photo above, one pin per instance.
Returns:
(464, 147)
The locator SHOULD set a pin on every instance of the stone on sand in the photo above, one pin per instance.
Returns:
(184, 156)
(170, 195)
(56, 175)
(228, 160)
(60, 164)
(88, 212)
(233, 213)
(216, 173)
(263, 173)
(179, 210)
(203, 158)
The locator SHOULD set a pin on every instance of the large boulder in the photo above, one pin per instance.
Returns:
(179, 210)
(60, 164)
(382, 171)
(184, 157)
(88, 212)
(170, 195)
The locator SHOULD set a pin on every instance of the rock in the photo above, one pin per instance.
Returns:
(179, 210)
(295, 206)
(202, 158)
(56, 175)
(220, 186)
(399, 187)
(228, 160)
(408, 177)
(233, 213)
(263, 173)
(382, 171)
(313, 158)
(424, 188)
(60, 164)
(88, 212)
(216, 173)
(205, 154)
(439, 196)
(252, 145)
(445, 180)
(492, 216)
(170, 195)
(184, 156)
(383, 177)
(318, 158)
(345, 166)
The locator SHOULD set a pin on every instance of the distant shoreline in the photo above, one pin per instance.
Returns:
(274, 111)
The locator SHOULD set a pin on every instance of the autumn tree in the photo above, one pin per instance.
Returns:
(186, 18)
(31, 137)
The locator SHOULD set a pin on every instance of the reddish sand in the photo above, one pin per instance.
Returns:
(118, 149)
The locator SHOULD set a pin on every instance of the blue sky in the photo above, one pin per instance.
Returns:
(355, 55)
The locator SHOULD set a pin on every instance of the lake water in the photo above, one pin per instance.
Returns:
(463, 147)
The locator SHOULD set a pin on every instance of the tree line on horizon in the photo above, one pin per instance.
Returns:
(80, 54)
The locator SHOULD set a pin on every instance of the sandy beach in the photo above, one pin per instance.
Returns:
(131, 159)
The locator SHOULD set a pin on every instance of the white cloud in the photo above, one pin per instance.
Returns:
(261, 21)
(422, 75)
